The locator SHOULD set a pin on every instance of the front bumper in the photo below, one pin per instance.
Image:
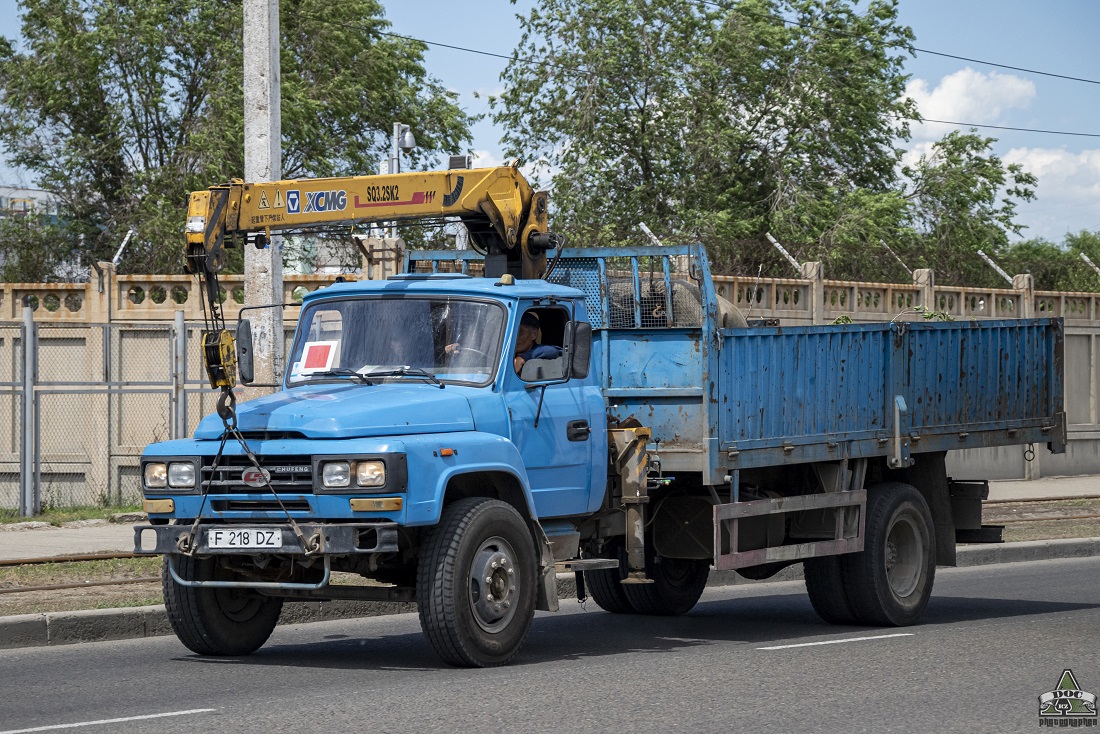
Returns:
(327, 539)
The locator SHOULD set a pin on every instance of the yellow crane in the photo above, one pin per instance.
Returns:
(505, 218)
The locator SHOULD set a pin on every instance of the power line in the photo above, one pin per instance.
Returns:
(1003, 127)
(472, 50)
(582, 71)
(1006, 66)
(899, 44)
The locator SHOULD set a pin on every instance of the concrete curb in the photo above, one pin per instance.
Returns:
(98, 625)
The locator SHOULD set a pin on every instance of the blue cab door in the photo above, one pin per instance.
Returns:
(558, 451)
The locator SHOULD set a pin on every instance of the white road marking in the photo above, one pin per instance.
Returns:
(812, 644)
(54, 727)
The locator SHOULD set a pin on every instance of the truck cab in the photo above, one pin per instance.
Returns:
(401, 397)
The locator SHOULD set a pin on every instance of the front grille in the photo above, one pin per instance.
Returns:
(259, 506)
(289, 474)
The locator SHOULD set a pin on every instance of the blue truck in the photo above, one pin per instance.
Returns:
(666, 437)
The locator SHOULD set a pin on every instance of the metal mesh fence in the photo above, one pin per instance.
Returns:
(11, 417)
(73, 455)
(99, 394)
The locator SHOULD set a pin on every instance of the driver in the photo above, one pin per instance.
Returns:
(527, 346)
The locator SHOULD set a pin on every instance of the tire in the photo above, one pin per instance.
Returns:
(890, 581)
(604, 584)
(676, 588)
(825, 586)
(216, 621)
(477, 539)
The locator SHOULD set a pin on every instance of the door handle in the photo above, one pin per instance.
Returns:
(577, 431)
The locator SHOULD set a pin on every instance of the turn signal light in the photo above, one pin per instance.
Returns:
(159, 507)
(376, 504)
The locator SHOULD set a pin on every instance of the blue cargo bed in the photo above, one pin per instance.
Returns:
(816, 393)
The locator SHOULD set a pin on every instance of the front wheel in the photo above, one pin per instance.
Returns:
(216, 621)
(890, 581)
(476, 583)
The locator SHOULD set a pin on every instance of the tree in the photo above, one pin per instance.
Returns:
(1053, 268)
(724, 121)
(121, 107)
(704, 122)
(604, 110)
(963, 199)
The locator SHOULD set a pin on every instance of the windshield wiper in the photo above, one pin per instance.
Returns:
(408, 372)
(344, 372)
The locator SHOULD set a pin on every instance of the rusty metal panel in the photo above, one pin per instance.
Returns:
(803, 384)
(730, 514)
(981, 375)
(815, 393)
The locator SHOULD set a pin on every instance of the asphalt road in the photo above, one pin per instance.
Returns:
(993, 639)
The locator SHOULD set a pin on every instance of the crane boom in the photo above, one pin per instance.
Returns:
(504, 216)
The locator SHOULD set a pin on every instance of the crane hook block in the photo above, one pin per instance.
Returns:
(220, 357)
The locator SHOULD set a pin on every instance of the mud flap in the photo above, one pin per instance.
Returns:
(546, 599)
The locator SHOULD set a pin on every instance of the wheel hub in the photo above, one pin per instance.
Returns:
(493, 584)
(904, 557)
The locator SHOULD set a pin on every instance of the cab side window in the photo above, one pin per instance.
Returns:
(538, 349)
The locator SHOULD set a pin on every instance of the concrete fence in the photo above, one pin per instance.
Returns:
(92, 372)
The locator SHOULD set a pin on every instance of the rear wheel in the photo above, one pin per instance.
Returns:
(212, 621)
(825, 586)
(890, 581)
(677, 585)
(604, 584)
(476, 583)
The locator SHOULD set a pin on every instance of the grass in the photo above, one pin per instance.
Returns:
(68, 514)
(48, 574)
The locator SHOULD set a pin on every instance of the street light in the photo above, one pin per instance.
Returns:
(403, 141)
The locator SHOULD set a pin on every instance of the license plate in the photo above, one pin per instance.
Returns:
(246, 538)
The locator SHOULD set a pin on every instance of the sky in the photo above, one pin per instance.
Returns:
(1055, 36)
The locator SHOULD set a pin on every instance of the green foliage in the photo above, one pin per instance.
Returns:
(121, 107)
(34, 248)
(929, 314)
(724, 123)
(963, 199)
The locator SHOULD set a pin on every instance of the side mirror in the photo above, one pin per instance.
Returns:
(578, 348)
(244, 352)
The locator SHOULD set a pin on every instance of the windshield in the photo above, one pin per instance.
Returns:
(444, 338)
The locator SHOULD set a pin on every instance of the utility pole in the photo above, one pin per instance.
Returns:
(263, 269)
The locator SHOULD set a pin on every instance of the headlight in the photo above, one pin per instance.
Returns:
(352, 473)
(336, 474)
(181, 474)
(370, 474)
(156, 476)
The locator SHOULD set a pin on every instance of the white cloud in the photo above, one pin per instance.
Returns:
(968, 96)
(1067, 194)
(913, 153)
(487, 159)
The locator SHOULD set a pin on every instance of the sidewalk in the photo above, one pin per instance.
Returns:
(24, 540)
(40, 540)
(1045, 488)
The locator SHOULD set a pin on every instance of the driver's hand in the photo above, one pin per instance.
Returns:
(518, 363)
(451, 348)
